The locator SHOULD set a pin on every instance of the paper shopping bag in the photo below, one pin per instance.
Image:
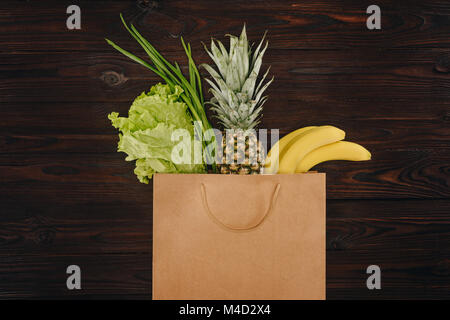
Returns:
(239, 237)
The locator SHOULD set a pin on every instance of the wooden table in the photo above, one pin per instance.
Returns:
(67, 197)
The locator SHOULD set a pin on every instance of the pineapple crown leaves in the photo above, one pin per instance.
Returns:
(237, 93)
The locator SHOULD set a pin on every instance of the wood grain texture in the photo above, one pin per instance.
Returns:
(37, 246)
(125, 276)
(67, 197)
(61, 172)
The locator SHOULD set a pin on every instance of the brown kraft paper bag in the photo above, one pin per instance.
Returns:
(220, 237)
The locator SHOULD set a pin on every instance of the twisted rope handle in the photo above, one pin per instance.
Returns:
(259, 222)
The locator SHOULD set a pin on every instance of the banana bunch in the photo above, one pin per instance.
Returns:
(302, 149)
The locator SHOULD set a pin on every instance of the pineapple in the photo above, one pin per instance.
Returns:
(238, 102)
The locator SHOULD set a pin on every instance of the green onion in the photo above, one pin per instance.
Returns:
(172, 75)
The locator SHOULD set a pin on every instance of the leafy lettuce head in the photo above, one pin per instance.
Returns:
(146, 134)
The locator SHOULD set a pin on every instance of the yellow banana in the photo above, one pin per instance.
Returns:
(341, 150)
(305, 143)
(271, 165)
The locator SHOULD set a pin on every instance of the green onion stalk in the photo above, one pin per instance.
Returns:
(172, 75)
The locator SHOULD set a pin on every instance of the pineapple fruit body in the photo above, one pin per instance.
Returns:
(241, 153)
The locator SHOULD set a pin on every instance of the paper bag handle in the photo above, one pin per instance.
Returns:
(261, 220)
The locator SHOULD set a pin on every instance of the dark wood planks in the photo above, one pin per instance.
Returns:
(393, 174)
(104, 276)
(67, 197)
(381, 76)
(37, 246)
(61, 228)
(315, 24)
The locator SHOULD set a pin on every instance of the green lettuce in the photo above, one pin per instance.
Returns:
(146, 134)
